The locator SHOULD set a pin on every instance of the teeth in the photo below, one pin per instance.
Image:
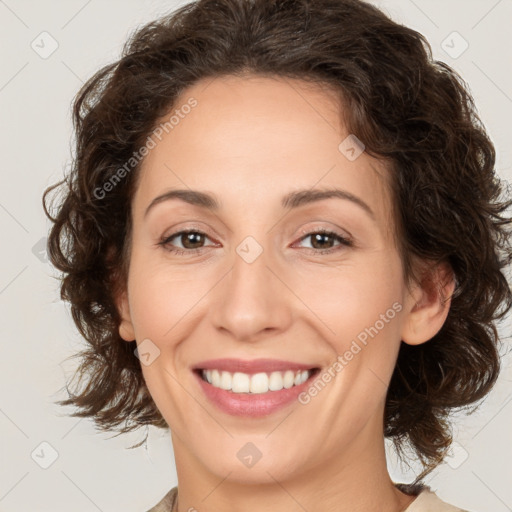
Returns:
(226, 380)
(241, 383)
(289, 377)
(257, 383)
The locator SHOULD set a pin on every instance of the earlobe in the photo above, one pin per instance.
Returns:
(428, 304)
(126, 330)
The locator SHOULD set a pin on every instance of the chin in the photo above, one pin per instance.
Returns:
(263, 468)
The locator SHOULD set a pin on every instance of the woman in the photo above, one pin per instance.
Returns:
(283, 240)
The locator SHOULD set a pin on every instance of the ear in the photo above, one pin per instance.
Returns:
(120, 293)
(126, 330)
(428, 304)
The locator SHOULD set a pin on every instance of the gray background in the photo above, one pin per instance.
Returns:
(93, 471)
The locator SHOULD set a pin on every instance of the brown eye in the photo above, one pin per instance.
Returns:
(191, 241)
(323, 241)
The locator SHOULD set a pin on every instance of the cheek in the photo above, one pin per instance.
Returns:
(163, 303)
(353, 296)
(162, 298)
(360, 312)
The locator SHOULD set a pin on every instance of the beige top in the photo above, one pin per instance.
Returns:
(426, 501)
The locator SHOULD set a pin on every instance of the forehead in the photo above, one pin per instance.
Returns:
(251, 140)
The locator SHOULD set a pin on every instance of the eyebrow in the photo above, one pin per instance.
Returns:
(292, 200)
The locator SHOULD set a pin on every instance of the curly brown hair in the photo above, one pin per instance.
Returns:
(412, 111)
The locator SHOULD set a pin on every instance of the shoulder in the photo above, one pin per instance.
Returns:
(166, 504)
(428, 501)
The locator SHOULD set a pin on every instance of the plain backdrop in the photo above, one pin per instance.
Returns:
(53, 462)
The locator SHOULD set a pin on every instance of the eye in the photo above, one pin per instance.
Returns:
(322, 240)
(191, 240)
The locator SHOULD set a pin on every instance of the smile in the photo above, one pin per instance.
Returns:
(253, 388)
(257, 383)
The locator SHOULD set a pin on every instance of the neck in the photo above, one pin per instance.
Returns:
(356, 480)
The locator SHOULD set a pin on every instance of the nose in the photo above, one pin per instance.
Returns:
(252, 301)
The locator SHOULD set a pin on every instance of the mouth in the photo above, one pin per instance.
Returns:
(253, 388)
(256, 383)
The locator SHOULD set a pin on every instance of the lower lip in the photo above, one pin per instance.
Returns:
(252, 404)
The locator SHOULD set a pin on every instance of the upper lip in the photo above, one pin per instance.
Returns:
(251, 366)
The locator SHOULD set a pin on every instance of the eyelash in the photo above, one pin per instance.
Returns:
(165, 242)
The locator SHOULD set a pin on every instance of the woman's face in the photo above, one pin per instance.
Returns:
(253, 281)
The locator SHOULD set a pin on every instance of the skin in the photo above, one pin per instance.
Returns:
(249, 141)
